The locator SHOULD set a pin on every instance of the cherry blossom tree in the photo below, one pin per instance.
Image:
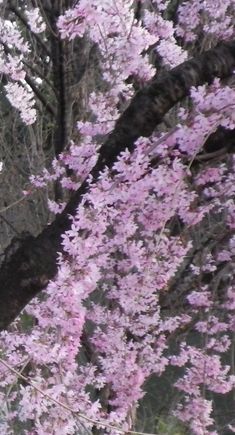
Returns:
(134, 277)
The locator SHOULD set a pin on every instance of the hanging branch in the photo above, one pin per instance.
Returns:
(21, 17)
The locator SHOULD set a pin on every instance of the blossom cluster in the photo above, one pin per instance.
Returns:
(206, 17)
(15, 49)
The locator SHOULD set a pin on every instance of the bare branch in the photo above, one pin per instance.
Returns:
(40, 96)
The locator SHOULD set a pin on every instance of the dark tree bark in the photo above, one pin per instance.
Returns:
(30, 263)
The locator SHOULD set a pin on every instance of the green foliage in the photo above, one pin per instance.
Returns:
(170, 426)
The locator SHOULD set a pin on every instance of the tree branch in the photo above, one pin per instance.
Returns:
(40, 96)
(27, 270)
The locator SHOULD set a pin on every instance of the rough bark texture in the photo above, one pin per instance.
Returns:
(30, 263)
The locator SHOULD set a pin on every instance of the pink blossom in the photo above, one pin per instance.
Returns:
(35, 20)
(200, 299)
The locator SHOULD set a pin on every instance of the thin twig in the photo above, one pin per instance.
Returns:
(18, 201)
